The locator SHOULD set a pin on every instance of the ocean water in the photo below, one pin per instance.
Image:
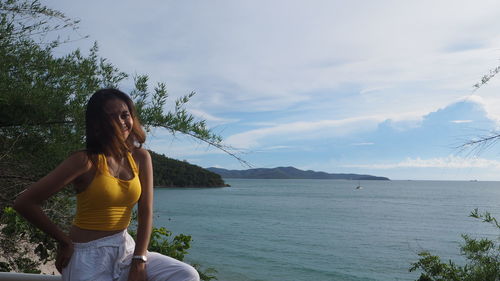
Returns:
(314, 230)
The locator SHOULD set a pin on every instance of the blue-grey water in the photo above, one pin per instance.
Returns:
(314, 230)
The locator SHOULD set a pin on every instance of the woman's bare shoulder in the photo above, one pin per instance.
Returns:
(79, 159)
(141, 155)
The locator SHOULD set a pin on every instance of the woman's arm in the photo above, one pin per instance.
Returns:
(28, 203)
(144, 212)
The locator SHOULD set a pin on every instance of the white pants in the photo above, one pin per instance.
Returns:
(109, 258)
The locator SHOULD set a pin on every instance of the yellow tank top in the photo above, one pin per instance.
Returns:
(107, 202)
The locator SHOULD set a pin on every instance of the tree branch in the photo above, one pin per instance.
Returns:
(224, 148)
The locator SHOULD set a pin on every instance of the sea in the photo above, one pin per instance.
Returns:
(314, 230)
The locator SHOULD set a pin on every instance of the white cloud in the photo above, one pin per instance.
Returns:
(362, 143)
(461, 121)
(211, 118)
(276, 147)
(302, 130)
(449, 162)
(235, 61)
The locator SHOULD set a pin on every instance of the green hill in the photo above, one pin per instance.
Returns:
(169, 172)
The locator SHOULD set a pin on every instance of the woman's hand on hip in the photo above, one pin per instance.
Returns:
(64, 253)
(137, 271)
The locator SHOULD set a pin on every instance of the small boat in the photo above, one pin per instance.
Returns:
(359, 186)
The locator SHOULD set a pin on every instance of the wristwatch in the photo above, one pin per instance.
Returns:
(142, 258)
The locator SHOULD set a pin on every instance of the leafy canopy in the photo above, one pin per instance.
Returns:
(482, 259)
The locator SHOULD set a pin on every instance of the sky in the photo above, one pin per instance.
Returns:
(371, 87)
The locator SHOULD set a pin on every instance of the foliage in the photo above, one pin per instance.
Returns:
(175, 248)
(174, 173)
(42, 104)
(482, 259)
(16, 260)
(161, 241)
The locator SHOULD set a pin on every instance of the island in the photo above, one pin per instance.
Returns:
(168, 172)
(288, 173)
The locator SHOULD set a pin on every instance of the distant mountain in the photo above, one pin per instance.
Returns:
(288, 173)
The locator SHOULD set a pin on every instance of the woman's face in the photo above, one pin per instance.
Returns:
(119, 112)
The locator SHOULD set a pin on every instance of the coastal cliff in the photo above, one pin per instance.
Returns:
(169, 172)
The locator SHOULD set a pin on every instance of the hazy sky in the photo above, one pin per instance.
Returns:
(377, 87)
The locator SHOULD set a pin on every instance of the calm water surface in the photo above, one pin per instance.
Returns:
(313, 230)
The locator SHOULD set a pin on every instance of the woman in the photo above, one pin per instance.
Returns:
(110, 176)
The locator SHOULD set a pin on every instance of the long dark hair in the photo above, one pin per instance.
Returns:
(103, 134)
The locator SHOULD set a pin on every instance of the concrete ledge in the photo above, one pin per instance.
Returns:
(13, 276)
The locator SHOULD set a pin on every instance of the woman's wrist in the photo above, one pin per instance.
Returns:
(138, 264)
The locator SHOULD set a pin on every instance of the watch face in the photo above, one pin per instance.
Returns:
(142, 258)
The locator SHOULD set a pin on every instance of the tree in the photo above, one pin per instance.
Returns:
(482, 259)
(42, 103)
(484, 141)
(482, 255)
